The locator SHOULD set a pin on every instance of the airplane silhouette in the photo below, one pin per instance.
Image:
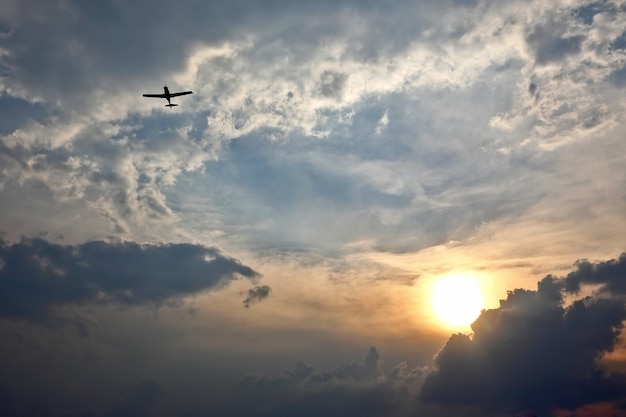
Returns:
(167, 95)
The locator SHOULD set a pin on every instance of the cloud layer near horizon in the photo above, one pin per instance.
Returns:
(534, 353)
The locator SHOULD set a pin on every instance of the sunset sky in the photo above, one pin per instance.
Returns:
(301, 236)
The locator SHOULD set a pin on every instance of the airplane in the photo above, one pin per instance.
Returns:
(167, 95)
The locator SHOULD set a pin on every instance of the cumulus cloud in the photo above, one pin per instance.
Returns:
(610, 276)
(534, 352)
(36, 275)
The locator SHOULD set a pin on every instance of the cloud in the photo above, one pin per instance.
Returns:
(87, 55)
(282, 78)
(609, 275)
(36, 275)
(533, 352)
(550, 43)
(122, 180)
(256, 294)
(370, 369)
(317, 127)
(142, 401)
(331, 84)
(352, 389)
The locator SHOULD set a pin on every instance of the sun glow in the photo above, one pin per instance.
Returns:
(457, 300)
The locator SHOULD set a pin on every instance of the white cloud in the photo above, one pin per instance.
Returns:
(397, 123)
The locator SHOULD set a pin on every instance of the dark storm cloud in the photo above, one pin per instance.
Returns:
(610, 275)
(36, 274)
(256, 295)
(532, 353)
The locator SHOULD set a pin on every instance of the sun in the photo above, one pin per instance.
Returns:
(457, 300)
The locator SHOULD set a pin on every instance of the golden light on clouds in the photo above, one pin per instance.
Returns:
(457, 300)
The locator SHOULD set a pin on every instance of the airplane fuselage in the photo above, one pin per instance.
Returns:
(166, 93)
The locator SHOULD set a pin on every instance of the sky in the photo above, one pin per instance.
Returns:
(270, 246)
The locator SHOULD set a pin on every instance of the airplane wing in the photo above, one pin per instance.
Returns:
(155, 95)
(180, 94)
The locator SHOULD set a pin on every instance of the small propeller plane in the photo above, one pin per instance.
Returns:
(167, 95)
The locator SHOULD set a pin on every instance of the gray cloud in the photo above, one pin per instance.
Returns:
(85, 54)
(353, 389)
(532, 353)
(370, 369)
(81, 53)
(256, 294)
(550, 42)
(141, 401)
(331, 84)
(36, 275)
(610, 275)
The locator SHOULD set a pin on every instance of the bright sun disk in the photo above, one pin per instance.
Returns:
(457, 300)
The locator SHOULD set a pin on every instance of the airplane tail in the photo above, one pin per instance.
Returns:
(171, 105)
